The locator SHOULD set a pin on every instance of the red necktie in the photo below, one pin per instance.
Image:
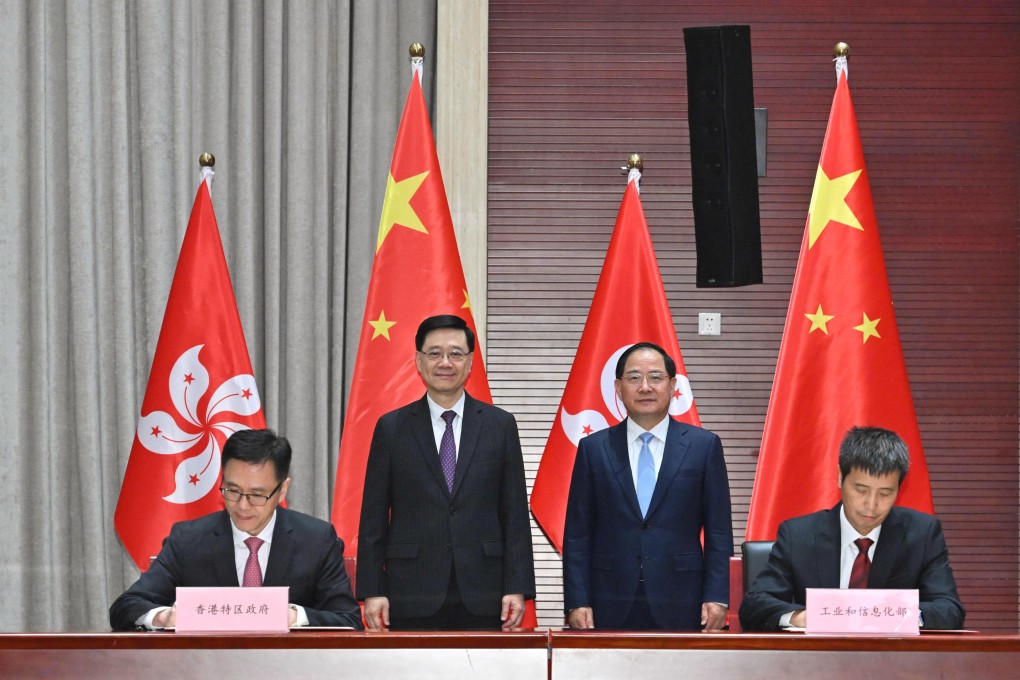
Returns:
(252, 571)
(862, 565)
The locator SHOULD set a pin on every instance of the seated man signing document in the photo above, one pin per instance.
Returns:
(253, 542)
(863, 542)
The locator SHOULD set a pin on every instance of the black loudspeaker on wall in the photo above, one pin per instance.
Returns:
(724, 174)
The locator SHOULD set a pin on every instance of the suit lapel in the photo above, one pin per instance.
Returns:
(420, 421)
(827, 550)
(674, 452)
(470, 430)
(618, 458)
(223, 553)
(280, 551)
(889, 540)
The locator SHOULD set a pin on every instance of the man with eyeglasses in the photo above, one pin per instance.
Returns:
(252, 542)
(864, 541)
(445, 537)
(641, 495)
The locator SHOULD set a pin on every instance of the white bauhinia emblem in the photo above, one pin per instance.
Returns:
(162, 433)
(589, 421)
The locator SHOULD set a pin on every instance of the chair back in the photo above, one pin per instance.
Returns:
(755, 556)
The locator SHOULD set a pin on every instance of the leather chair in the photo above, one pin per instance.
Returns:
(755, 557)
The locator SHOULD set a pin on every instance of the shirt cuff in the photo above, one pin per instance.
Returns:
(145, 620)
(302, 617)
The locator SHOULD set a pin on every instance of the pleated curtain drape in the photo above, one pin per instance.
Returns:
(105, 107)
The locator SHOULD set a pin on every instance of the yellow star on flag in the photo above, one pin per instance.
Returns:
(828, 203)
(381, 326)
(467, 300)
(397, 207)
(868, 328)
(818, 321)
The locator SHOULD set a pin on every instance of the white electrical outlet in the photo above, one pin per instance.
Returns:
(709, 323)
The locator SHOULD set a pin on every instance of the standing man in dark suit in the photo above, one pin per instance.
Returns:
(863, 542)
(445, 537)
(641, 494)
(252, 537)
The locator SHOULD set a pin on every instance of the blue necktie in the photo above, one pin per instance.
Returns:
(645, 474)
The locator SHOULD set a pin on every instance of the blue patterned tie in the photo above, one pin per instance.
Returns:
(448, 450)
(645, 474)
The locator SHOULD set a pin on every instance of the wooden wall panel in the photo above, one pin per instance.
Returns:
(576, 87)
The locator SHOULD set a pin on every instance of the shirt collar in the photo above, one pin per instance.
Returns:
(847, 533)
(266, 534)
(658, 431)
(436, 411)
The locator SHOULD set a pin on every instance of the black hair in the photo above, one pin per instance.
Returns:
(434, 323)
(873, 450)
(668, 360)
(259, 446)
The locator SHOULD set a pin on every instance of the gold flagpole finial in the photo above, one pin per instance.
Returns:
(634, 169)
(207, 160)
(840, 54)
(416, 50)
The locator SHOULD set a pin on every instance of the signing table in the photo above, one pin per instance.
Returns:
(641, 656)
(299, 654)
(519, 655)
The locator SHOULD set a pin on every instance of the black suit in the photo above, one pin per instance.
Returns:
(608, 546)
(414, 531)
(305, 554)
(911, 553)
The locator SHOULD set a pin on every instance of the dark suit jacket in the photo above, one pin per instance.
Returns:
(911, 553)
(305, 555)
(414, 530)
(607, 544)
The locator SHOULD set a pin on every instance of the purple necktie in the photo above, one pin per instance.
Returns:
(252, 571)
(862, 565)
(448, 450)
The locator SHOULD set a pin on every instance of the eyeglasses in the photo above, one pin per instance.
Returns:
(235, 496)
(454, 356)
(654, 379)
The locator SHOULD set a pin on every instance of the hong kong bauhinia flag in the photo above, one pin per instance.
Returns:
(629, 306)
(840, 362)
(200, 391)
(416, 273)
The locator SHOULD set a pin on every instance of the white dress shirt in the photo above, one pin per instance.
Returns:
(848, 549)
(439, 425)
(241, 551)
(656, 445)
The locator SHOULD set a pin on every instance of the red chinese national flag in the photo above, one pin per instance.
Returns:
(840, 362)
(416, 273)
(200, 391)
(589, 404)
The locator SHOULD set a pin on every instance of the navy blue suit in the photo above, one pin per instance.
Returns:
(608, 546)
(305, 555)
(911, 553)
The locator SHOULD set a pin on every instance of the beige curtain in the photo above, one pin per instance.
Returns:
(105, 107)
